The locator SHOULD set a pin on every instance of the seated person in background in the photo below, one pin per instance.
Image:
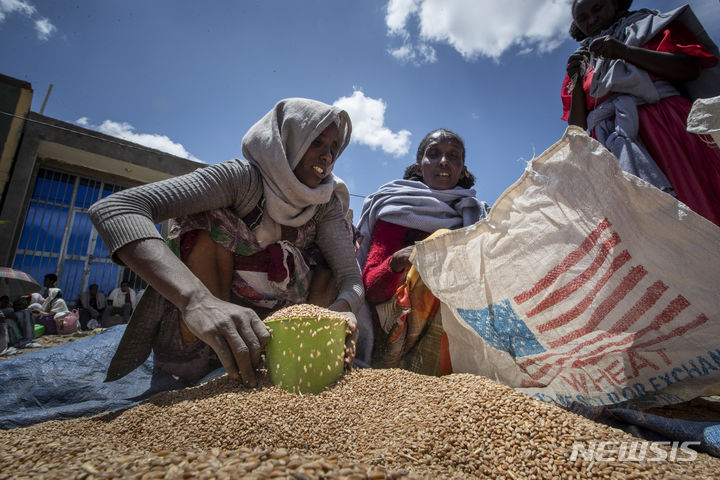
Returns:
(92, 305)
(122, 302)
(6, 305)
(53, 306)
(49, 281)
(20, 325)
(434, 195)
(5, 347)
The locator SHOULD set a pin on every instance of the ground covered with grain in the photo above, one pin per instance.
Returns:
(50, 341)
(372, 424)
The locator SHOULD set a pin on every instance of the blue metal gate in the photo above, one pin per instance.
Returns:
(58, 236)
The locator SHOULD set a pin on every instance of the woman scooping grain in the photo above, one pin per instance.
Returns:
(247, 238)
(434, 196)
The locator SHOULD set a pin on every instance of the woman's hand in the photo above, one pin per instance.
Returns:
(577, 65)
(400, 261)
(576, 68)
(608, 47)
(351, 339)
(344, 307)
(674, 67)
(235, 333)
(339, 306)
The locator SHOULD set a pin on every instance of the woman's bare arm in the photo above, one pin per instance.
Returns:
(235, 333)
(336, 246)
(674, 67)
(576, 67)
(126, 221)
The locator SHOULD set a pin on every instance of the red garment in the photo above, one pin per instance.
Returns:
(380, 281)
(675, 39)
(691, 162)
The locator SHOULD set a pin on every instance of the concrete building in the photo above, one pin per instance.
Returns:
(50, 173)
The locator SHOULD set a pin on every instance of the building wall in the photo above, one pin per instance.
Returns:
(57, 171)
(15, 100)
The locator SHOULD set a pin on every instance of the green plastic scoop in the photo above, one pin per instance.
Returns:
(305, 354)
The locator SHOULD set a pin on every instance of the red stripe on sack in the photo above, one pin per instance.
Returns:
(628, 283)
(678, 304)
(675, 333)
(580, 308)
(650, 298)
(568, 355)
(565, 291)
(525, 383)
(594, 359)
(573, 257)
(539, 373)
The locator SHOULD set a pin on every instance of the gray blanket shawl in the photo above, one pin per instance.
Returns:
(413, 204)
(615, 121)
(636, 29)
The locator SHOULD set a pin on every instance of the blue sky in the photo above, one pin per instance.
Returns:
(191, 77)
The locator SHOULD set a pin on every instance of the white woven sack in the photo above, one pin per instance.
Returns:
(704, 118)
(584, 284)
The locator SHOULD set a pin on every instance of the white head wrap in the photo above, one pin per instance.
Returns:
(52, 303)
(277, 143)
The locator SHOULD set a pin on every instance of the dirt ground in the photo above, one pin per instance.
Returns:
(49, 341)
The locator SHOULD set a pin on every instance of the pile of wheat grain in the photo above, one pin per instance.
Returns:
(371, 424)
(305, 310)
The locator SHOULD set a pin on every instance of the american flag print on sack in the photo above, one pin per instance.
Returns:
(621, 309)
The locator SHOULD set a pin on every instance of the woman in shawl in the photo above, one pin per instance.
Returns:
(51, 311)
(627, 84)
(434, 196)
(245, 238)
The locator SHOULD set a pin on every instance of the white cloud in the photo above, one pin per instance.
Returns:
(417, 54)
(398, 12)
(12, 6)
(43, 26)
(127, 132)
(403, 53)
(368, 116)
(477, 28)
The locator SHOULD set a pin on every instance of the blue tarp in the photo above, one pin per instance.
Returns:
(704, 431)
(67, 382)
(656, 428)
